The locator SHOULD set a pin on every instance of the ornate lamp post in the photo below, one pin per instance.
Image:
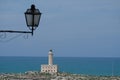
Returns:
(32, 16)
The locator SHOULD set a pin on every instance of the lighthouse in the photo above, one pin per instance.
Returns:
(50, 57)
(50, 67)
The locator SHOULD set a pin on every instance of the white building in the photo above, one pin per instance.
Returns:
(50, 67)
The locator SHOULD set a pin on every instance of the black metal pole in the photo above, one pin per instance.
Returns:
(32, 31)
(11, 31)
(32, 22)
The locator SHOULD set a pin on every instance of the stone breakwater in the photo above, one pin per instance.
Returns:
(33, 75)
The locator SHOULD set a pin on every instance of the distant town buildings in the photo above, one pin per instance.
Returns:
(50, 67)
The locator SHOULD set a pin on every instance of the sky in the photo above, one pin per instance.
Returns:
(72, 28)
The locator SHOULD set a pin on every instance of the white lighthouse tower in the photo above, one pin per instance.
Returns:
(50, 57)
(50, 67)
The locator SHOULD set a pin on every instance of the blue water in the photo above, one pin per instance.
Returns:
(89, 66)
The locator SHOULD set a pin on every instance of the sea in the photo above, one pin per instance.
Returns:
(100, 66)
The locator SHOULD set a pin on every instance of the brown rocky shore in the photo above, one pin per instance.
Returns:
(34, 75)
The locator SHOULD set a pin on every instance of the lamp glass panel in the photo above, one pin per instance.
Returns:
(36, 20)
(29, 19)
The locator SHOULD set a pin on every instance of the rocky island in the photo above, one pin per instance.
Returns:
(34, 75)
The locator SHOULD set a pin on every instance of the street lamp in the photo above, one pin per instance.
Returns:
(32, 16)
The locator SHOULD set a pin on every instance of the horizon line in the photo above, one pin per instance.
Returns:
(67, 56)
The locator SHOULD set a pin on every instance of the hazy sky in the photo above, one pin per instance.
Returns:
(81, 28)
